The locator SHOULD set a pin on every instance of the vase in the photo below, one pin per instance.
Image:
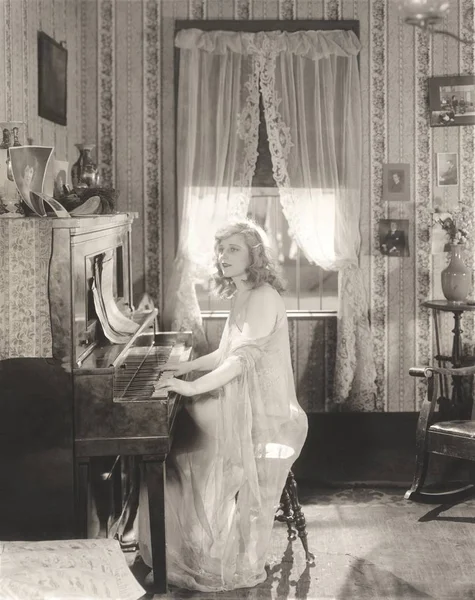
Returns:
(456, 277)
(84, 172)
(11, 134)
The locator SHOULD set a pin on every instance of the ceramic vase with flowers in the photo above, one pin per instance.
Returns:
(456, 278)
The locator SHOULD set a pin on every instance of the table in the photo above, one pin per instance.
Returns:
(460, 399)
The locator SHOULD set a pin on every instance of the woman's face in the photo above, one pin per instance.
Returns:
(28, 175)
(234, 256)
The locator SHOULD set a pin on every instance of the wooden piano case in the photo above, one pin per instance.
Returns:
(37, 491)
(63, 406)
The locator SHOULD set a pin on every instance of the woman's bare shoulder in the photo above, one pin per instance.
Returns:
(265, 293)
(264, 308)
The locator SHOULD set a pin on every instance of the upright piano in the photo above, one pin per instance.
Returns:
(89, 401)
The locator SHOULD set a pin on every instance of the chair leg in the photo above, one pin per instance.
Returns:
(417, 495)
(299, 518)
(422, 461)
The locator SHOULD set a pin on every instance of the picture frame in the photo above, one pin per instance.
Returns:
(60, 178)
(452, 100)
(447, 169)
(397, 182)
(29, 165)
(52, 79)
(394, 237)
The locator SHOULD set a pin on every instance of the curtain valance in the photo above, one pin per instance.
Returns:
(308, 44)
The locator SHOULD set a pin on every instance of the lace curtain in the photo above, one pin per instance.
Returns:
(311, 96)
(218, 119)
(312, 102)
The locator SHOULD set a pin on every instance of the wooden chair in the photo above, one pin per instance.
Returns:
(440, 433)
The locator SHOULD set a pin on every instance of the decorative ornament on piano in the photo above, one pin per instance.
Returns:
(90, 201)
(10, 201)
(84, 172)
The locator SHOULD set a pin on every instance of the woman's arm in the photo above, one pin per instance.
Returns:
(260, 320)
(225, 373)
(211, 381)
(207, 362)
(203, 363)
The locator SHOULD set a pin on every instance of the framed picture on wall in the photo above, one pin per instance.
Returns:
(396, 182)
(452, 100)
(393, 237)
(52, 79)
(447, 169)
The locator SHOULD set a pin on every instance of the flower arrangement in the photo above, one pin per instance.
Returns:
(455, 228)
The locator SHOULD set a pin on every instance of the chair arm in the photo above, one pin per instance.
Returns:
(421, 372)
(429, 371)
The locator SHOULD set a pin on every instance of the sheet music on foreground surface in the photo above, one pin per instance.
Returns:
(117, 327)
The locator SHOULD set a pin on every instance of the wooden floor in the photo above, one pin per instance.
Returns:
(369, 544)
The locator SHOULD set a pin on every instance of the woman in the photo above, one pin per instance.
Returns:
(245, 428)
(28, 170)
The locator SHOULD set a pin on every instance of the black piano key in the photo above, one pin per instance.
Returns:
(140, 371)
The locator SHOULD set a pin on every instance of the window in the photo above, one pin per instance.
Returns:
(309, 287)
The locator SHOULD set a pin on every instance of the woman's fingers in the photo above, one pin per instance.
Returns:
(165, 382)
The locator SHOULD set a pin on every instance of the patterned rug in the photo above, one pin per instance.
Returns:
(64, 570)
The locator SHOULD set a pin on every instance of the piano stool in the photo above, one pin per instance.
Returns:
(290, 512)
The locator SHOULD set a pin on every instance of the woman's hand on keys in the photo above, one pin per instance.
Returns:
(178, 369)
(169, 383)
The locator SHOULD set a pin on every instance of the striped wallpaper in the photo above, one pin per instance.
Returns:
(122, 53)
(19, 22)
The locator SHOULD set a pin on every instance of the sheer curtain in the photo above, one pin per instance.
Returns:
(311, 93)
(310, 88)
(218, 120)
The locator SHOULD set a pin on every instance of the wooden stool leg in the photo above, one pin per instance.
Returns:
(286, 516)
(299, 518)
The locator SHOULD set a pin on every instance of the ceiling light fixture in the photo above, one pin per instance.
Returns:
(426, 14)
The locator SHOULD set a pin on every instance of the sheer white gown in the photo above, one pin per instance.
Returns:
(228, 466)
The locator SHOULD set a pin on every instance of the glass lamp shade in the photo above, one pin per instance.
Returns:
(423, 12)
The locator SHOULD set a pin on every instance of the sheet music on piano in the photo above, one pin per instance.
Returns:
(117, 327)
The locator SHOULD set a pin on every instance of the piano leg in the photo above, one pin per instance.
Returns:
(154, 468)
(82, 497)
(96, 505)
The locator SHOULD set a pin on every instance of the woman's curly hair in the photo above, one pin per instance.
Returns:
(262, 269)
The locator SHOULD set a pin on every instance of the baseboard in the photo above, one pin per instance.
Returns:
(372, 449)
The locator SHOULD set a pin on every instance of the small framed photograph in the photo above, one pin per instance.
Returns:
(29, 164)
(447, 169)
(60, 178)
(397, 182)
(394, 237)
(452, 100)
(52, 79)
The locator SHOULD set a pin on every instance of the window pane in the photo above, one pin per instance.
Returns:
(309, 287)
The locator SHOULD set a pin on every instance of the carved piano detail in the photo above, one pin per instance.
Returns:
(97, 398)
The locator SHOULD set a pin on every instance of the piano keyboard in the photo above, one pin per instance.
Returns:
(137, 376)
